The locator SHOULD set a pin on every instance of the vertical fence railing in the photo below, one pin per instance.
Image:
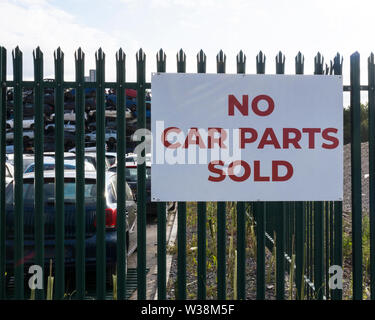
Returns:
(80, 174)
(241, 216)
(279, 211)
(39, 176)
(326, 248)
(121, 176)
(221, 216)
(300, 210)
(100, 177)
(141, 178)
(161, 211)
(331, 245)
(59, 176)
(202, 214)
(355, 119)
(371, 148)
(3, 113)
(181, 216)
(18, 176)
(308, 247)
(318, 218)
(337, 206)
(260, 213)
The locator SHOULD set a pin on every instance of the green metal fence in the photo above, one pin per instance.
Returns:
(307, 235)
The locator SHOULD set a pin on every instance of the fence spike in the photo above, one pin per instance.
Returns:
(79, 55)
(318, 64)
(241, 62)
(300, 59)
(241, 57)
(201, 62)
(280, 63)
(181, 61)
(58, 54)
(161, 60)
(120, 55)
(201, 56)
(300, 62)
(221, 59)
(260, 58)
(141, 56)
(37, 54)
(161, 56)
(99, 55)
(16, 53)
(280, 58)
(181, 56)
(371, 58)
(337, 64)
(261, 62)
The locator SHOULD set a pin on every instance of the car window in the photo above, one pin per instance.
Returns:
(129, 194)
(131, 174)
(130, 159)
(49, 167)
(49, 192)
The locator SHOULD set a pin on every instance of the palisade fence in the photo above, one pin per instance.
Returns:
(307, 235)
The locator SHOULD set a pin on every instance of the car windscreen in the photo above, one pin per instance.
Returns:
(49, 191)
(50, 166)
(131, 174)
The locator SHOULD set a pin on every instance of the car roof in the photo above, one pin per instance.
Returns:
(67, 174)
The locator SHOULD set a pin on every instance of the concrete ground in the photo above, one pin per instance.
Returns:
(151, 254)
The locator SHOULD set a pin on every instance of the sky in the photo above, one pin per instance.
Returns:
(328, 26)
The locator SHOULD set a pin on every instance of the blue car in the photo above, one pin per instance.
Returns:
(70, 228)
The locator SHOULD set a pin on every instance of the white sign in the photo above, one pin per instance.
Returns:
(221, 137)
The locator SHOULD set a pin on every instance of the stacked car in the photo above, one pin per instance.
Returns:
(70, 117)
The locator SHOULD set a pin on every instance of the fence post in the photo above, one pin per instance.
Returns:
(100, 176)
(59, 175)
(337, 206)
(80, 174)
(300, 214)
(202, 214)
(309, 257)
(161, 208)
(221, 217)
(121, 175)
(241, 217)
(39, 176)
(181, 233)
(280, 213)
(18, 175)
(260, 212)
(3, 102)
(318, 219)
(371, 148)
(355, 108)
(141, 178)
